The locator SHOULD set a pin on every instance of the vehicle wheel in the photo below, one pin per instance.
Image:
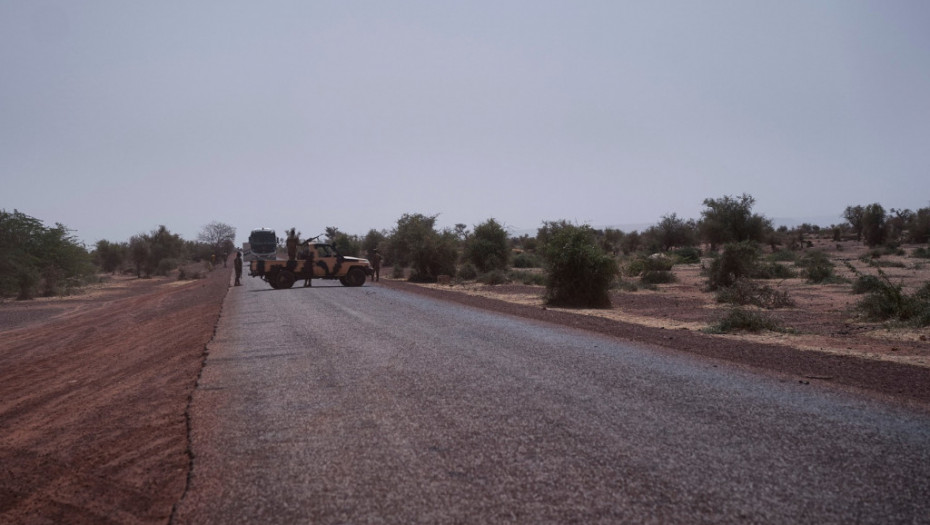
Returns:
(285, 279)
(344, 281)
(272, 279)
(355, 277)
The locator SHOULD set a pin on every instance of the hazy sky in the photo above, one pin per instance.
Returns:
(116, 116)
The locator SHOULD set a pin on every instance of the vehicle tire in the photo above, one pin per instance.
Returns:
(355, 277)
(284, 279)
(272, 279)
(344, 281)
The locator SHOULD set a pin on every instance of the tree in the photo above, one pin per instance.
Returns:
(155, 253)
(918, 228)
(331, 233)
(347, 244)
(579, 272)
(874, 228)
(220, 237)
(373, 240)
(414, 242)
(488, 247)
(32, 254)
(672, 232)
(730, 219)
(110, 255)
(853, 215)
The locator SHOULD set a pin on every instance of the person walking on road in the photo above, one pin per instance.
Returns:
(238, 265)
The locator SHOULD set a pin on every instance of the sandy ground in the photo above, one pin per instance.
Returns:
(93, 397)
(823, 318)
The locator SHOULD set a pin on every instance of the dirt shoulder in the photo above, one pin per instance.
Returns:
(673, 321)
(93, 398)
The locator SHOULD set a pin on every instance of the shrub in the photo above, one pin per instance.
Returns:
(921, 253)
(687, 255)
(579, 272)
(738, 319)
(866, 284)
(467, 271)
(494, 277)
(531, 278)
(526, 260)
(398, 272)
(748, 292)
(817, 267)
(416, 243)
(488, 247)
(886, 301)
(658, 277)
(772, 270)
(737, 260)
(635, 267)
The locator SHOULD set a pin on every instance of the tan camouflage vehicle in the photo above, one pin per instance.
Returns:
(315, 261)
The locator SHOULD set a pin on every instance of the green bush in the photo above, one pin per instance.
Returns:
(467, 271)
(526, 260)
(38, 259)
(414, 242)
(737, 260)
(488, 247)
(738, 319)
(772, 270)
(635, 267)
(687, 255)
(887, 301)
(921, 253)
(817, 267)
(866, 284)
(579, 272)
(398, 272)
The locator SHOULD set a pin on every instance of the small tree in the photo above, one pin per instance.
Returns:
(220, 237)
(414, 242)
(918, 228)
(347, 244)
(488, 247)
(373, 240)
(579, 271)
(730, 219)
(874, 228)
(671, 232)
(110, 255)
(853, 215)
(737, 260)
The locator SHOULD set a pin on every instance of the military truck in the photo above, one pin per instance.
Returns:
(314, 261)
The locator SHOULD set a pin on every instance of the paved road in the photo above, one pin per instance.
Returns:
(369, 405)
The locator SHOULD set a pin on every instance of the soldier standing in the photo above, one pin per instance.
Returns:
(375, 259)
(238, 265)
(291, 244)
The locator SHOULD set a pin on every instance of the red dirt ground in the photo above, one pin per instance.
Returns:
(93, 397)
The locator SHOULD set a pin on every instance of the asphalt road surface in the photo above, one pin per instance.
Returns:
(370, 405)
